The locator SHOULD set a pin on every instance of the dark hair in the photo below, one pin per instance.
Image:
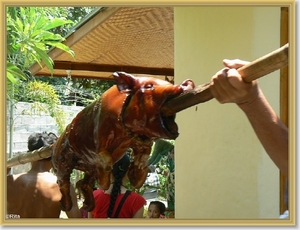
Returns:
(161, 206)
(39, 140)
(119, 171)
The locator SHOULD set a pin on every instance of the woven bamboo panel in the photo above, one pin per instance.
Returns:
(132, 36)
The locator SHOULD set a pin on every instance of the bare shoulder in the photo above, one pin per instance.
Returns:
(47, 176)
(47, 185)
(13, 177)
(15, 181)
(30, 188)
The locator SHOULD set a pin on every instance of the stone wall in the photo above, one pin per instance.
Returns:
(24, 124)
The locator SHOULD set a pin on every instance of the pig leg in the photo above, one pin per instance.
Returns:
(64, 185)
(86, 187)
(62, 168)
(138, 169)
(104, 164)
(136, 175)
(98, 167)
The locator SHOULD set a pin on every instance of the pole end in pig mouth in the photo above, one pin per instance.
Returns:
(169, 126)
(167, 117)
(168, 121)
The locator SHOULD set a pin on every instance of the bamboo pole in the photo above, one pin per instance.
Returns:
(254, 70)
(35, 155)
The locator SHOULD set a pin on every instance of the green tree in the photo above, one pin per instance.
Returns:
(29, 38)
(44, 99)
(31, 33)
(61, 20)
(75, 91)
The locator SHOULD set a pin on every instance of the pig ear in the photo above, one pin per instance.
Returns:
(125, 82)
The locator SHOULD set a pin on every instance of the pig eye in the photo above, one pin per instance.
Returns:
(148, 86)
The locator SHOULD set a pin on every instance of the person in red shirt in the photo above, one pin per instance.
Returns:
(118, 201)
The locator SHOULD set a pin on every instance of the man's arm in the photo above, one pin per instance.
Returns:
(270, 130)
(227, 86)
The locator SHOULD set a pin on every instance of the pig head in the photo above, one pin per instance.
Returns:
(126, 116)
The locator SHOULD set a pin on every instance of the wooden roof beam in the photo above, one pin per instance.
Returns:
(78, 75)
(66, 65)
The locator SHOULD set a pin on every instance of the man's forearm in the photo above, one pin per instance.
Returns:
(270, 130)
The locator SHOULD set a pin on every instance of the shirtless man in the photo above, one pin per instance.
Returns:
(35, 194)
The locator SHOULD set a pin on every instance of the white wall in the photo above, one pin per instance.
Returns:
(221, 168)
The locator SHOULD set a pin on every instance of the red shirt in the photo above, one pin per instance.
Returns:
(131, 205)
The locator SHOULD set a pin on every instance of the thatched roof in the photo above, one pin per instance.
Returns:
(137, 40)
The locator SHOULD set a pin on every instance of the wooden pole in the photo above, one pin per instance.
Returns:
(284, 98)
(254, 70)
(35, 155)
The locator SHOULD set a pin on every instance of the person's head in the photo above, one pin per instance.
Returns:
(156, 209)
(119, 170)
(39, 140)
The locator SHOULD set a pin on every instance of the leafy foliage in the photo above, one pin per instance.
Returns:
(44, 99)
(29, 37)
(76, 91)
(31, 33)
(13, 71)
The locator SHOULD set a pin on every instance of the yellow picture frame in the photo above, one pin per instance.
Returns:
(166, 222)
